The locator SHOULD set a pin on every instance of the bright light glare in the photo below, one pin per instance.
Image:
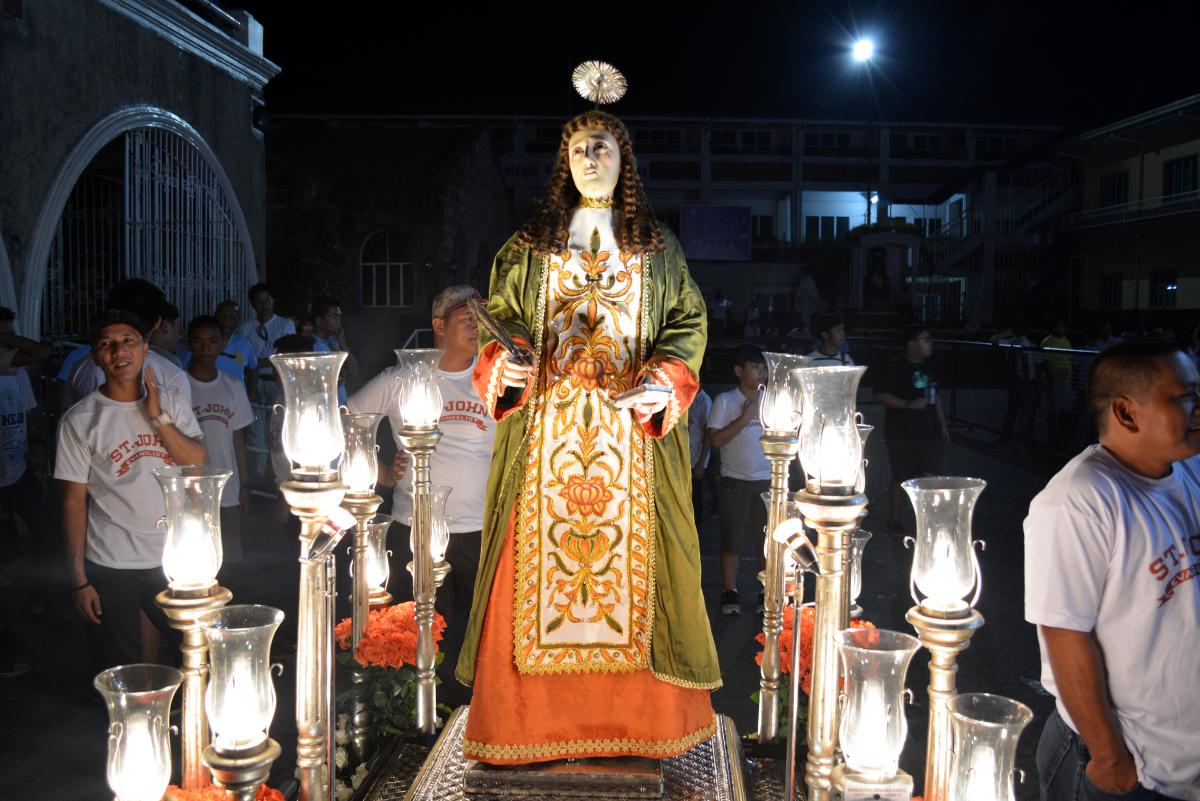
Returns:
(863, 49)
(874, 197)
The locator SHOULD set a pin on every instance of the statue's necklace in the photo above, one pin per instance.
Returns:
(596, 202)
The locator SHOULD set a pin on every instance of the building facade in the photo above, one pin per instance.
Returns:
(132, 148)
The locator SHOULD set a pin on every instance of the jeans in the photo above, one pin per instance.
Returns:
(258, 456)
(1061, 759)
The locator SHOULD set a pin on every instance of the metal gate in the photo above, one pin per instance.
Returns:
(165, 218)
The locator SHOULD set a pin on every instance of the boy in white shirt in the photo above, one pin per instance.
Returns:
(734, 427)
(108, 445)
(831, 340)
(223, 411)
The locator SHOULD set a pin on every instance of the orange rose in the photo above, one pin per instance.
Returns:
(586, 496)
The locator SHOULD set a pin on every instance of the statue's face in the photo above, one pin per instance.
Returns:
(595, 162)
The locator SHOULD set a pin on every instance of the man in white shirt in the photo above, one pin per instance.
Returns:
(147, 302)
(1112, 545)
(734, 427)
(108, 445)
(461, 460)
(830, 345)
(261, 333)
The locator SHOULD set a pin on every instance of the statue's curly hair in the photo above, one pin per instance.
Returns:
(547, 231)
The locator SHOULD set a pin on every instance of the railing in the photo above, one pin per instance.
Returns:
(1024, 210)
(1026, 396)
(1165, 206)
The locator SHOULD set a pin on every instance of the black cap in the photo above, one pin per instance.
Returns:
(827, 322)
(113, 317)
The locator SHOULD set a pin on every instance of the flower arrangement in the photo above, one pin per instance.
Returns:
(390, 639)
(385, 681)
(215, 793)
(808, 616)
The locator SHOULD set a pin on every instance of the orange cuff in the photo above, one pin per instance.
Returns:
(676, 375)
(498, 399)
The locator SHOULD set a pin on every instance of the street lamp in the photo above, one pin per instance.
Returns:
(863, 49)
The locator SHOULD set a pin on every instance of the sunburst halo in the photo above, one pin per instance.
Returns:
(599, 82)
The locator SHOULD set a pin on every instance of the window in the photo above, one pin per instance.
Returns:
(927, 141)
(387, 273)
(825, 228)
(1179, 176)
(1164, 287)
(756, 141)
(724, 141)
(1110, 290)
(658, 139)
(763, 227)
(1114, 189)
(827, 139)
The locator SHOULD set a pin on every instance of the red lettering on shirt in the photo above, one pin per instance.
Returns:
(466, 418)
(124, 468)
(1187, 574)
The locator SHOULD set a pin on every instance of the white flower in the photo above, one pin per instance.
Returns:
(339, 758)
(344, 792)
(360, 773)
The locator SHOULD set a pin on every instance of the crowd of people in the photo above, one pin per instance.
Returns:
(1119, 519)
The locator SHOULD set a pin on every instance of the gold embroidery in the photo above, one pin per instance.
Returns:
(584, 594)
(597, 747)
(596, 202)
(689, 685)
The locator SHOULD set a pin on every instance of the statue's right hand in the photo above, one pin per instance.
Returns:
(515, 375)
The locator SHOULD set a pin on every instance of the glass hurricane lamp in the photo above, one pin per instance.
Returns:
(830, 445)
(419, 395)
(192, 550)
(873, 726)
(779, 408)
(945, 570)
(985, 729)
(240, 701)
(139, 706)
(312, 422)
(359, 467)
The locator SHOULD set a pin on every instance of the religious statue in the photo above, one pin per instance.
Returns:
(588, 634)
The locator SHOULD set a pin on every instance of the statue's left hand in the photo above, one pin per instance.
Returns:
(643, 411)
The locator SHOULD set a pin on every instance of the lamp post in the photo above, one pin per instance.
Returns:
(138, 698)
(945, 571)
(241, 698)
(780, 415)
(420, 409)
(790, 534)
(313, 441)
(863, 50)
(831, 454)
(191, 559)
(359, 471)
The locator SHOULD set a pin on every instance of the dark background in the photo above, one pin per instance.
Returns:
(1074, 64)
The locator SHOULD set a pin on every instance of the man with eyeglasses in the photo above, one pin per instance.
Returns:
(262, 333)
(914, 428)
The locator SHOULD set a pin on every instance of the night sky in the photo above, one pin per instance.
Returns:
(1070, 64)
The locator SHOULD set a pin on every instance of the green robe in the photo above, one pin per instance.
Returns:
(682, 649)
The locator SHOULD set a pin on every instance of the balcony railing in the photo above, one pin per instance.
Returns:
(1166, 206)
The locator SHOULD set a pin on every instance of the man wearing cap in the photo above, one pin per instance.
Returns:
(108, 446)
(148, 303)
(461, 460)
(831, 332)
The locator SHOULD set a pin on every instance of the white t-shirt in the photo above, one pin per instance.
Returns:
(821, 359)
(1110, 551)
(741, 457)
(464, 454)
(698, 426)
(16, 399)
(111, 446)
(262, 346)
(87, 375)
(221, 407)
